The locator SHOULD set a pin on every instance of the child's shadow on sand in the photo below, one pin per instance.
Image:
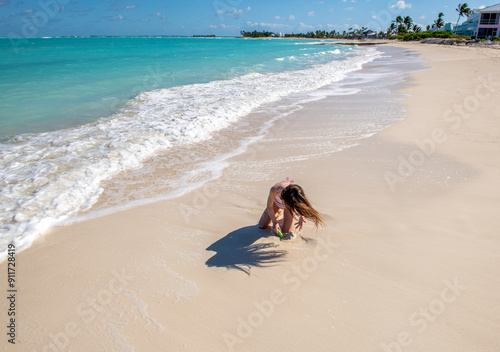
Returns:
(237, 250)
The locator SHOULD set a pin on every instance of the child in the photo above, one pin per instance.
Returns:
(290, 198)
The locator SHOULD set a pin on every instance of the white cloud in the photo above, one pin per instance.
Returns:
(277, 17)
(349, 8)
(305, 27)
(310, 14)
(291, 18)
(130, 7)
(482, 7)
(374, 17)
(239, 12)
(422, 17)
(213, 27)
(223, 26)
(234, 12)
(401, 5)
(269, 26)
(330, 9)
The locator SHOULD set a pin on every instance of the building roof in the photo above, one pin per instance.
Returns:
(493, 8)
(471, 20)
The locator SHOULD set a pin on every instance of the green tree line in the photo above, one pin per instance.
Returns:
(400, 27)
(318, 34)
(403, 27)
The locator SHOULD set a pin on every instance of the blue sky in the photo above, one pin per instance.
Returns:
(36, 18)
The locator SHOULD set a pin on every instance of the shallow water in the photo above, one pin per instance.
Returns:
(164, 142)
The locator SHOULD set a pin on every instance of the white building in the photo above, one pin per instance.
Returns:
(447, 27)
(469, 27)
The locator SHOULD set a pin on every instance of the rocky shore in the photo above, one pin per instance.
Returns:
(461, 42)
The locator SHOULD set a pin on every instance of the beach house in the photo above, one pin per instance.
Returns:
(369, 34)
(469, 27)
(488, 26)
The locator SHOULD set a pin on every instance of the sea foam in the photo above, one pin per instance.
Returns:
(47, 177)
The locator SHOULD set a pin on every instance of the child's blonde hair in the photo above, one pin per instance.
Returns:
(295, 199)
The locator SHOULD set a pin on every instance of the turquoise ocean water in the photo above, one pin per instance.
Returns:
(77, 111)
(54, 83)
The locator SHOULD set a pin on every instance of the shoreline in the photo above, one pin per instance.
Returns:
(261, 121)
(147, 277)
(148, 124)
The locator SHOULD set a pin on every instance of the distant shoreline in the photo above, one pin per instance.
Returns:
(163, 36)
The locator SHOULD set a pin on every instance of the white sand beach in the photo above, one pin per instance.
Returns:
(409, 259)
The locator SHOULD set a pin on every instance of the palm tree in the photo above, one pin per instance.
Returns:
(463, 10)
(408, 22)
(391, 29)
(399, 20)
(416, 28)
(439, 22)
(402, 29)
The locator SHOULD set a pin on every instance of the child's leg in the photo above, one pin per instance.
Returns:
(265, 219)
(288, 222)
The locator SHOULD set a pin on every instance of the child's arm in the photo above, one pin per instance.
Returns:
(270, 206)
